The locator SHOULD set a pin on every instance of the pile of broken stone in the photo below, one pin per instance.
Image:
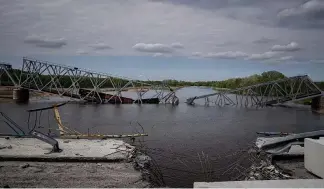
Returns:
(264, 169)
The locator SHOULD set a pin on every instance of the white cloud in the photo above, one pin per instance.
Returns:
(158, 55)
(100, 46)
(82, 52)
(228, 54)
(310, 7)
(196, 54)
(45, 42)
(153, 48)
(284, 58)
(177, 45)
(307, 15)
(263, 56)
(293, 46)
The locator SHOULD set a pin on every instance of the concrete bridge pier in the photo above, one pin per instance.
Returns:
(20, 95)
(318, 104)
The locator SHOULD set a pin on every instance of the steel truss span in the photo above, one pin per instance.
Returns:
(269, 93)
(74, 82)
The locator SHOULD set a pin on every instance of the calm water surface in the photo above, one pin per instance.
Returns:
(181, 135)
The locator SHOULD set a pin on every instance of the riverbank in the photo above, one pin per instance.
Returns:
(26, 162)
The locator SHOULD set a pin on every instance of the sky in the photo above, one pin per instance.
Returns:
(168, 39)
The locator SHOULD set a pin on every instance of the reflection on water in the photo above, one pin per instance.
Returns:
(180, 135)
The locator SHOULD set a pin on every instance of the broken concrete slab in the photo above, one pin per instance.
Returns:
(267, 143)
(314, 156)
(73, 150)
(297, 183)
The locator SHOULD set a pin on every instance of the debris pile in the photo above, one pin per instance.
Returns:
(149, 169)
(263, 169)
(266, 171)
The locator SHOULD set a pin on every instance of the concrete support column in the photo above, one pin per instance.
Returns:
(318, 104)
(20, 95)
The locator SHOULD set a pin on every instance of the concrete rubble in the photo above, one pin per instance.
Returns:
(26, 162)
(263, 169)
(279, 162)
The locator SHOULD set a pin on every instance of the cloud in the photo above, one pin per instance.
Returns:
(317, 61)
(203, 26)
(196, 54)
(153, 48)
(177, 45)
(263, 56)
(45, 42)
(82, 52)
(158, 55)
(285, 58)
(227, 55)
(293, 46)
(263, 40)
(100, 46)
(228, 43)
(308, 14)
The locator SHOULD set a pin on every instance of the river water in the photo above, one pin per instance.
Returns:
(188, 143)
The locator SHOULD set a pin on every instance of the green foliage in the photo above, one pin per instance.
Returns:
(320, 84)
(233, 82)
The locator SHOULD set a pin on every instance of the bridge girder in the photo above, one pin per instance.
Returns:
(67, 81)
(269, 93)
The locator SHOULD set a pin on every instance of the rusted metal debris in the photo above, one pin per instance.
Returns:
(66, 132)
(32, 133)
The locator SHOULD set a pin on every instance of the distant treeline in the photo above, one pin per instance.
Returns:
(232, 83)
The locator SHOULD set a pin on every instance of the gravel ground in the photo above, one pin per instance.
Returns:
(56, 174)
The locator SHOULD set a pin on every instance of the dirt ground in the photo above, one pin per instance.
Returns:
(56, 174)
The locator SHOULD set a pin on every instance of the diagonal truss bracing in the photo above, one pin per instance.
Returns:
(84, 84)
(274, 92)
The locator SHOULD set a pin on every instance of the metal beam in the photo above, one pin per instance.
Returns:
(33, 72)
(268, 93)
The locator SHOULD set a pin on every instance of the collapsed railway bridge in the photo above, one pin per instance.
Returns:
(295, 88)
(83, 84)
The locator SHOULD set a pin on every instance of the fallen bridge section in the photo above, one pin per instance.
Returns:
(264, 94)
(83, 84)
